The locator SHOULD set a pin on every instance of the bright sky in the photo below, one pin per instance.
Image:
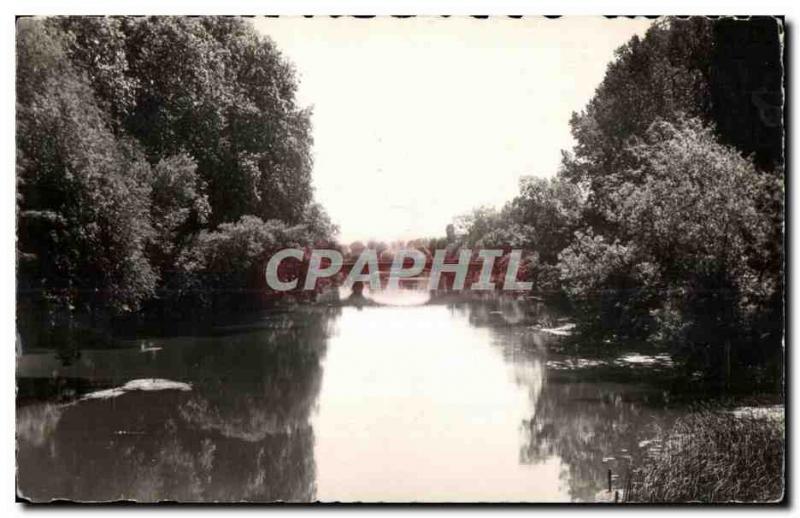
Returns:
(419, 120)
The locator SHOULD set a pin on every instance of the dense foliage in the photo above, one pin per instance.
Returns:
(665, 221)
(148, 149)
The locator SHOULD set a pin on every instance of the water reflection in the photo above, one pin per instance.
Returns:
(593, 428)
(447, 401)
(416, 405)
(241, 434)
(592, 424)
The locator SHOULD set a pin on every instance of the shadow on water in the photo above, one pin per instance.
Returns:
(241, 433)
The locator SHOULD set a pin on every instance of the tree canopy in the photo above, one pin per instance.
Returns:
(665, 220)
(137, 139)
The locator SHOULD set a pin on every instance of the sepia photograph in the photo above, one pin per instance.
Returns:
(400, 259)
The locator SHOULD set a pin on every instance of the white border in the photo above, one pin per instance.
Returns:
(420, 7)
(319, 7)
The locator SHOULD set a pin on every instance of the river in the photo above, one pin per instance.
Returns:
(436, 402)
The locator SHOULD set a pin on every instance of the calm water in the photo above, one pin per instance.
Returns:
(437, 402)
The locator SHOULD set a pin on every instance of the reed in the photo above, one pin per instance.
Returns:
(714, 457)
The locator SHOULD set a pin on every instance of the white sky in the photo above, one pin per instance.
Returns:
(419, 120)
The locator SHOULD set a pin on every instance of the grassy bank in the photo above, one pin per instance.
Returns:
(714, 457)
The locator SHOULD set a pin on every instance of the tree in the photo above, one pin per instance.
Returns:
(83, 212)
(209, 87)
(146, 148)
(179, 206)
(691, 237)
(550, 210)
(724, 72)
(661, 75)
(680, 153)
